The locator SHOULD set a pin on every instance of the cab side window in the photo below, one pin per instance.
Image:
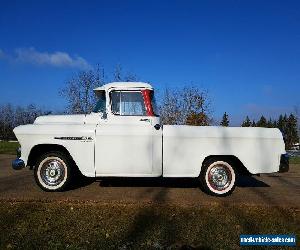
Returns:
(101, 103)
(127, 103)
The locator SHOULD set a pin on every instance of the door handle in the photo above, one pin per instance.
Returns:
(157, 126)
(145, 120)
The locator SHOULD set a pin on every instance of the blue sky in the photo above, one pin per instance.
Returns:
(245, 53)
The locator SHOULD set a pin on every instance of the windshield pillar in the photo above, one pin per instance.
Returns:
(147, 102)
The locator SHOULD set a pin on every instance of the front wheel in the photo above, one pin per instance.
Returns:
(218, 177)
(52, 171)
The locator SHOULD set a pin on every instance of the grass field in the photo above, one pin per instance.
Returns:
(8, 147)
(295, 160)
(115, 226)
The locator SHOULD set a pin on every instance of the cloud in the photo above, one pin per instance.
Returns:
(56, 59)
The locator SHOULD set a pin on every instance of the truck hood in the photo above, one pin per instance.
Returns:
(68, 119)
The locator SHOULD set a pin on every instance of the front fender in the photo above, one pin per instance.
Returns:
(78, 140)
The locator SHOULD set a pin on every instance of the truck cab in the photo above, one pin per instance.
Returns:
(128, 138)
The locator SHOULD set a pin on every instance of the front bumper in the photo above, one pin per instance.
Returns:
(284, 163)
(18, 164)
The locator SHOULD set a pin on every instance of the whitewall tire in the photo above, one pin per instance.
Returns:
(52, 171)
(218, 177)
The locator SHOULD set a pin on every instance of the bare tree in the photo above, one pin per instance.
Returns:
(13, 116)
(188, 105)
(120, 76)
(170, 111)
(6, 121)
(78, 91)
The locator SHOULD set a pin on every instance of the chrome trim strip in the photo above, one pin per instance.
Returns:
(73, 138)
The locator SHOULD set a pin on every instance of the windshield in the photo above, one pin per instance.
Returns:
(127, 103)
(101, 103)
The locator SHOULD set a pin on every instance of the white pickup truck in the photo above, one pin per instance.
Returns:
(123, 137)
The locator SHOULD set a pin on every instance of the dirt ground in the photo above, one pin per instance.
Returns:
(268, 189)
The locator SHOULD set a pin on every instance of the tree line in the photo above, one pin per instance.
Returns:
(287, 124)
(12, 116)
(188, 105)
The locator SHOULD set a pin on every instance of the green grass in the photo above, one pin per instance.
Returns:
(8, 147)
(295, 160)
(38, 225)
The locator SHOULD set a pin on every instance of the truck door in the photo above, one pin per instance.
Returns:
(126, 143)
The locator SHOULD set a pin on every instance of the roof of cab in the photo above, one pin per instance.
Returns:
(124, 85)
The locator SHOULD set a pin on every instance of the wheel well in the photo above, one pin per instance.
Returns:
(40, 149)
(236, 163)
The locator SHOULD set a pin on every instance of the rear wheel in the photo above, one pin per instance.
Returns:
(52, 171)
(218, 177)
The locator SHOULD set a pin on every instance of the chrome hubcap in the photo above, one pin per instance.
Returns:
(219, 177)
(52, 172)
